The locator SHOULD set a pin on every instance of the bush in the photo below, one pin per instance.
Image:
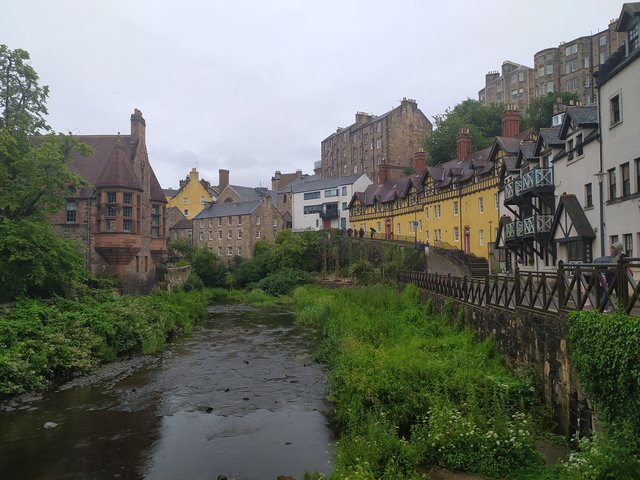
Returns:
(284, 280)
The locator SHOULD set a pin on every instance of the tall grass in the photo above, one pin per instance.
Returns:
(409, 387)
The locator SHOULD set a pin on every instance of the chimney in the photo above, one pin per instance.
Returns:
(193, 175)
(138, 126)
(275, 181)
(511, 121)
(419, 160)
(383, 173)
(223, 178)
(362, 117)
(463, 144)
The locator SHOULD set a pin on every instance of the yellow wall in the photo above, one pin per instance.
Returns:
(192, 197)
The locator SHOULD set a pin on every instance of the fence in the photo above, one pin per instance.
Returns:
(592, 286)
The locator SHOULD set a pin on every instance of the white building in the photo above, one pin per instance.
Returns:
(619, 114)
(318, 203)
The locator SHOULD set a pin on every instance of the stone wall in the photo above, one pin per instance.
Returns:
(176, 277)
(532, 341)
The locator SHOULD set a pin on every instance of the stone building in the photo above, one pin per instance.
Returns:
(120, 216)
(192, 196)
(513, 86)
(390, 139)
(570, 66)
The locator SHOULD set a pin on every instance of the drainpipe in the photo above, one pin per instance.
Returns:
(600, 173)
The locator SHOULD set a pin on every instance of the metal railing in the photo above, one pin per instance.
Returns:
(593, 286)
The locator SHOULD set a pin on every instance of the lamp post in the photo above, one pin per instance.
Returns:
(600, 175)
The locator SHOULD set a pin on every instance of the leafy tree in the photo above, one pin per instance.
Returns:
(35, 261)
(22, 100)
(540, 111)
(208, 267)
(483, 121)
(34, 178)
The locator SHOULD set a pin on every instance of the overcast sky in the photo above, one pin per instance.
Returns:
(255, 86)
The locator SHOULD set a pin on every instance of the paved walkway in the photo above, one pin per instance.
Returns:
(437, 263)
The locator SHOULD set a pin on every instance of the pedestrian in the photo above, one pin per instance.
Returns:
(607, 277)
(426, 247)
(373, 231)
(349, 231)
(361, 232)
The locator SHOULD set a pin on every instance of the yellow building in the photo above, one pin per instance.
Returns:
(453, 205)
(192, 196)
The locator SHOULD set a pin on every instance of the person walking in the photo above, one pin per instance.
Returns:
(426, 248)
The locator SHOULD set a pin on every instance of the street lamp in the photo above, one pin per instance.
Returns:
(600, 175)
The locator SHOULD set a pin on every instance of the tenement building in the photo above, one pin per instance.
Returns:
(390, 139)
(119, 216)
(513, 85)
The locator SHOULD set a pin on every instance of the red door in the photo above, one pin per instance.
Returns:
(326, 223)
(467, 240)
(387, 229)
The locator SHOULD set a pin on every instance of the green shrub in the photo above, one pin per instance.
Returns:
(284, 280)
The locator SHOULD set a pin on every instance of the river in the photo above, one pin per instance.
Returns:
(239, 397)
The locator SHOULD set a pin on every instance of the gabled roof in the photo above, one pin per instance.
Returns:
(170, 192)
(578, 117)
(549, 137)
(117, 171)
(629, 10)
(251, 193)
(570, 218)
(182, 224)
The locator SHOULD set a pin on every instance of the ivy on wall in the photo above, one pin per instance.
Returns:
(605, 350)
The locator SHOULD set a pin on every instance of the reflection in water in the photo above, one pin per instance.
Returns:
(240, 397)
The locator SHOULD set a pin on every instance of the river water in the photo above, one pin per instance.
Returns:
(239, 397)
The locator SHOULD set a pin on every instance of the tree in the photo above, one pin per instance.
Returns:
(34, 179)
(483, 121)
(22, 100)
(540, 111)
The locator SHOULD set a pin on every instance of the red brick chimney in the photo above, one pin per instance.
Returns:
(463, 144)
(138, 126)
(383, 173)
(223, 178)
(420, 160)
(511, 121)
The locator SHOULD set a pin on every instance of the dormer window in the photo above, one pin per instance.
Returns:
(633, 39)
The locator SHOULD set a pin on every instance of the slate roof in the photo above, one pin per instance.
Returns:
(111, 169)
(569, 203)
(228, 209)
(315, 182)
(170, 192)
(182, 224)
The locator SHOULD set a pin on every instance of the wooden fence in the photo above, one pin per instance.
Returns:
(592, 286)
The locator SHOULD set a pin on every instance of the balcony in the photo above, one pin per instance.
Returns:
(330, 210)
(537, 225)
(513, 231)
(536, 181)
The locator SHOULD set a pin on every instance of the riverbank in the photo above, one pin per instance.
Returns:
(59, 339)
(411, 387)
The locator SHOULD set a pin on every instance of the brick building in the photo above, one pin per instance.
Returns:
(390, 139)
(120, 216)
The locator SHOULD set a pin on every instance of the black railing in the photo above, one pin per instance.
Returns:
(592, 286)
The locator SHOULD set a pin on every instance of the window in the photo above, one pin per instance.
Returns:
(186, 212)
(311, 209)
(615, 114)
(549, 69)
(588, 195)
(210, 222)
(633, 39)
(481, 237)
(219, 234)
(284, 198)
(627, 241)
(258, 233)
(344, 206)
(334, 192)
(603, 57)
(439, 211)
(126, 199)
(185, 200)
(579, 150)
(344, 191)
(378, 227)
(275, 222)
(571, 49)
(602, 40)
(378, 144)
(155, 221)
(572, 85)
(586, 63)
(229, 234)
(637, 164)
(426, 210)
(127, 215)
(398, 229)
(612, 183)
(626, 179)
(455, 209)
(219, 221)
(71, 211)
(549, 87)
(239, 251)
(111, 197)
(571, 66)
(570, 149)
(219, 251)
(202, 201)
(229, 251)
(210, 235)
(258, 219)
(201, 236)
(239, 219)
(481, 205)
(456, 234)
(239, 234)
(229, 221)
(495, 201)
(311, 195)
